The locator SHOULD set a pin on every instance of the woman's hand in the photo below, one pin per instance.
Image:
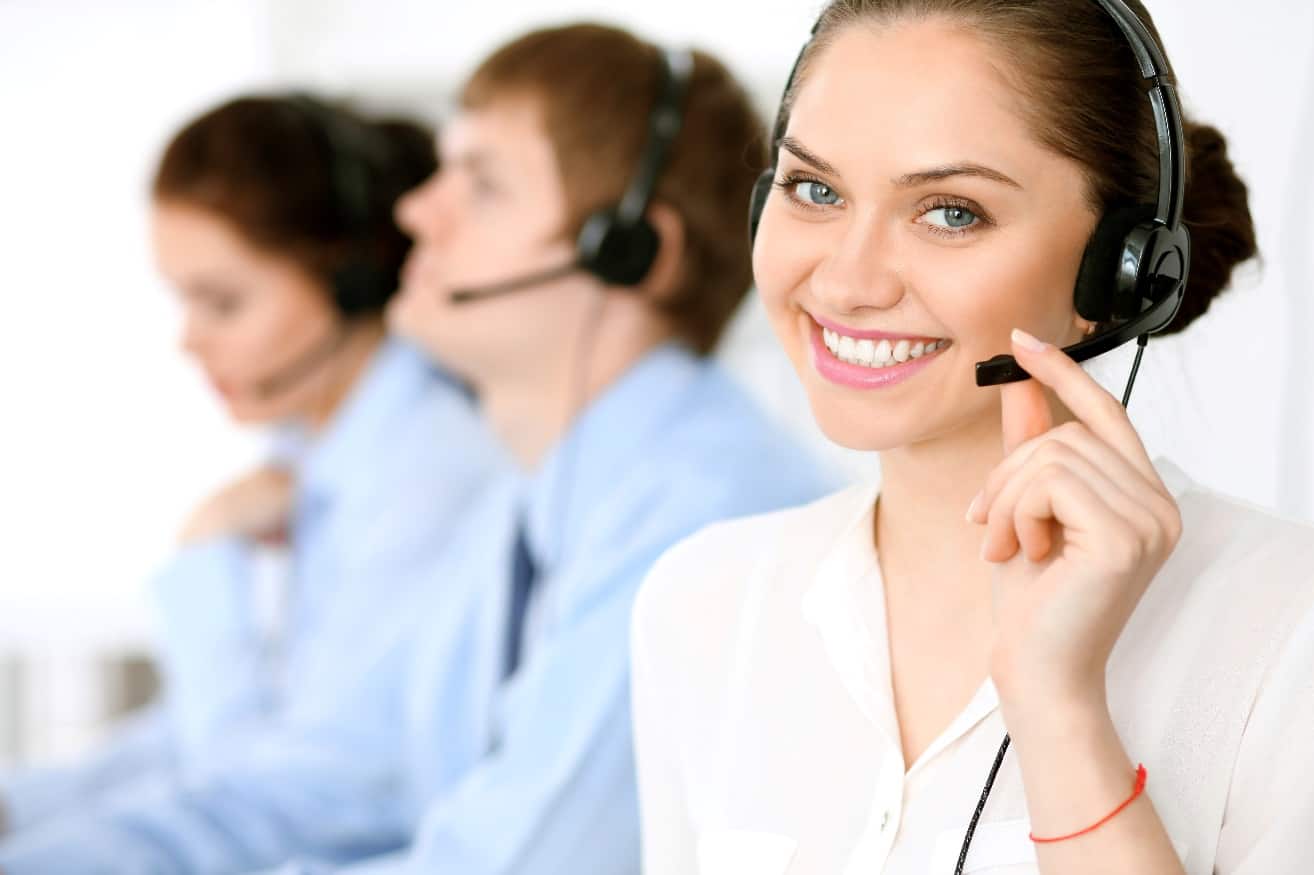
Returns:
(1077, 525)
(256, 506)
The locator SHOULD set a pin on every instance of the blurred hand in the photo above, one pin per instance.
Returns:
(1077, 525)
(256, 506)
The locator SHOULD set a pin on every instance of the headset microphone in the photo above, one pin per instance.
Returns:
(479, 293)
(303, 366)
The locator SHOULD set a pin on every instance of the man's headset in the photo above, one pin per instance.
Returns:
(1136, 263)
(359, 285)
(618, 245)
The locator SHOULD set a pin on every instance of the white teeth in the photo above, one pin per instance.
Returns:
(877, 354)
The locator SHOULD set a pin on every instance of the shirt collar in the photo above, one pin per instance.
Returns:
(390, 386)
(605, 440)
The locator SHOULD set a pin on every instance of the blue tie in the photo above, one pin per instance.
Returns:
(522, 586)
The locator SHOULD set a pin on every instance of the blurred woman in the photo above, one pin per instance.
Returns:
(272, 220)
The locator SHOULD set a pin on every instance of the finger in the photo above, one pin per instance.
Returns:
(1077, 437)
(1056, 500)
(1025, 411)
(1087, 399)
(1004, 538)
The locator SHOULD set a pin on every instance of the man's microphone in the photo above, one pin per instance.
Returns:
(479, 293)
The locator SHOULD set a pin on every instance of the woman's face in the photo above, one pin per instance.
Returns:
(916, 222)
(496, 212)
(249, 317)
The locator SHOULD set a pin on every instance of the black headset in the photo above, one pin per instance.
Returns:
(359, 285)
(1136, 263)
(618, 245)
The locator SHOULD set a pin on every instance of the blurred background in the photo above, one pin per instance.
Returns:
(111, 437)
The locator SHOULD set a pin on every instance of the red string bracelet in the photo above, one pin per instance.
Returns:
(1137, 789)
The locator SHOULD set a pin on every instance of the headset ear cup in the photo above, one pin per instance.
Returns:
(619, 254)
(360, 288)
(1098, 295)
(761, 191)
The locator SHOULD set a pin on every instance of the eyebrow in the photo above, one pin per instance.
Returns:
(934, 174)
(802, 153)
(908, 180)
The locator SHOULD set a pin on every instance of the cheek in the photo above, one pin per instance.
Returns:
(781, 265)
(276, 326)
(981, 295)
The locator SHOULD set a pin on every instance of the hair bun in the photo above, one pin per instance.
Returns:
(1217, 213)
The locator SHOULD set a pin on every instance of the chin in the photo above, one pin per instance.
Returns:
(245, 415)
(860, 427)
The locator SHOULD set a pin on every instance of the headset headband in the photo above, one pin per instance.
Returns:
(663, 128)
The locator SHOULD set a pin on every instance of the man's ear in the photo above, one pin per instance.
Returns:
(667, 270)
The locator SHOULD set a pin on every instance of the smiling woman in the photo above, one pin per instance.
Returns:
(946, 171)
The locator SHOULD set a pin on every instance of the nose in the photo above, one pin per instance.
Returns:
(862, 271)
(421, 212)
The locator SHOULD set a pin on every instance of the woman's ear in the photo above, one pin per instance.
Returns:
(668, 267)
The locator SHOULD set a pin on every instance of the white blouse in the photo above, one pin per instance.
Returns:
(767, 741)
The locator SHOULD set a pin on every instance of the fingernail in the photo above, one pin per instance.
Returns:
(971, 508)
(1027, 342)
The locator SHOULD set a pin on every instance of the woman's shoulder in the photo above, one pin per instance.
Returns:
(1240, 582)
(1224, 533)
(712, 569)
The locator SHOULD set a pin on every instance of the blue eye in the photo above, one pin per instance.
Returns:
(815, 193)
(952, 217)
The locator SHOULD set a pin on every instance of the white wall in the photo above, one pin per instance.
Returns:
(110, 437)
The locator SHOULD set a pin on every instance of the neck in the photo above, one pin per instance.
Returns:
(345, 370)
(531, 409)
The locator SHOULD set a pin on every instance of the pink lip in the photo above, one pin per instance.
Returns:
(860, 376)
(868, 335)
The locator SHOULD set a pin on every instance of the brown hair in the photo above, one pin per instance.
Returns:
(307, 180)
(1086, 101)
(594, 87)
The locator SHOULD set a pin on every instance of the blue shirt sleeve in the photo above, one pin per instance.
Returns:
(209, 654)
(325, 784)
(141, 745)
(209, 647)
(325, 779)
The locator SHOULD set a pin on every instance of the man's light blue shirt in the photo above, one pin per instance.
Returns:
(533, 774)
(378, 495)
(536, 774)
